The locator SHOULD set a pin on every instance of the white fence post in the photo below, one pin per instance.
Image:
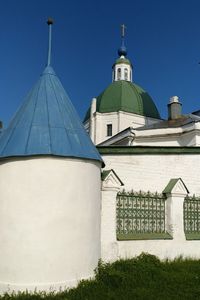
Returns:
(110, 186)
(176, 192)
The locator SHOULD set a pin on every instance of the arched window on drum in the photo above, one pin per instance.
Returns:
(125, 74)
(119, 74)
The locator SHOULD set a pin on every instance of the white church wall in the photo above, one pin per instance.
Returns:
(119, 120)
(50, 222)
(197, 134)
(167, 137)
(156, 141)
(101, 121)
(197, 139)
(188, 138)
(133, 120)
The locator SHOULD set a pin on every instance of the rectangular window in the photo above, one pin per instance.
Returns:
(109, 129)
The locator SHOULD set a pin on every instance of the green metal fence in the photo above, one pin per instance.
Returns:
(140, 216)
(191, 210)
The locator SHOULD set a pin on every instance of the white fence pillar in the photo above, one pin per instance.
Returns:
(176, 192)
(110, 186)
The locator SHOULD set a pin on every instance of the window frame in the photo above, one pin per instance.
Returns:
(109, 129)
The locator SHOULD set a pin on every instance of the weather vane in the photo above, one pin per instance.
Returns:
(50, 23)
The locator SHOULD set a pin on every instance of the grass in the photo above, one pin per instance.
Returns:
(143, 277)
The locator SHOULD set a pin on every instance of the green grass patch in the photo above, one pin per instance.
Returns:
(143, 277)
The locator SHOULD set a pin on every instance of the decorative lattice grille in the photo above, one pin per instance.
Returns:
(140, 213)
(191, 214)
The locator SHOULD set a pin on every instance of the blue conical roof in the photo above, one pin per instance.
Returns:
(47, 124)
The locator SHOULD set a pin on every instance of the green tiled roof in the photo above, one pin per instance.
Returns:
(125, 96)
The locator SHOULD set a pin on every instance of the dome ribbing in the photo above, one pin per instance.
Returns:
(126, 96)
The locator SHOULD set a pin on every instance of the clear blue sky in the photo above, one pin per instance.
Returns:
(163, 41)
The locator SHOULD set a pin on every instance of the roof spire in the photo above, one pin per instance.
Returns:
(50, 23)
(123, 30)
(122, 50)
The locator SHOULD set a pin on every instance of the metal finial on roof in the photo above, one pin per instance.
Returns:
(123, 27)
(122, 50)
(50, 23)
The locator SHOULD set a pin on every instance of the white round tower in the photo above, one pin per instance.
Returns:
(50, 194)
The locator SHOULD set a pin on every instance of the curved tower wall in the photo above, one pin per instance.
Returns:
(50, 222)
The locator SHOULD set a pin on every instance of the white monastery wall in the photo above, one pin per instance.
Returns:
(153, 173)
(50, 222)
(162, 248)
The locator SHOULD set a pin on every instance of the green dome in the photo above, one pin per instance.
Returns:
(125, 96)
